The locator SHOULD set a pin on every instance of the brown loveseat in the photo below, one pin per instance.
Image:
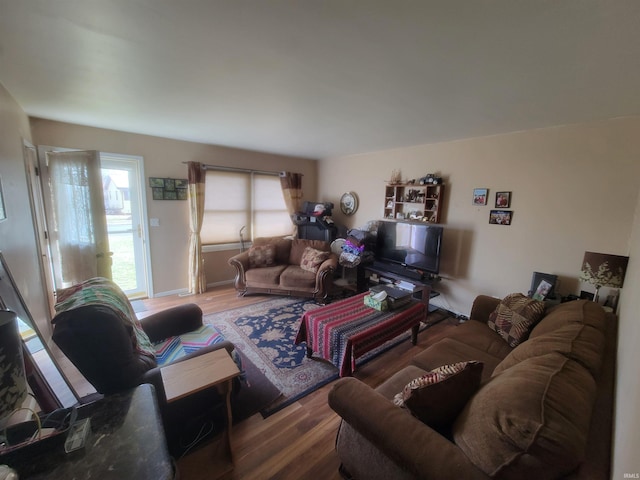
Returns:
(273, 265)
(543, 409)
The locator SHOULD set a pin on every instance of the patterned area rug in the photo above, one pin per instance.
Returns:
(265, 333)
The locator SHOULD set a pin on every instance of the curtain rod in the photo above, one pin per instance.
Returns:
(234, 169)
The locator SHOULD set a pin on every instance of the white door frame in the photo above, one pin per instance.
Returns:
(142, 202)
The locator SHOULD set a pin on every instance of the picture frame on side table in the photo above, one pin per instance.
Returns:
(480, 196)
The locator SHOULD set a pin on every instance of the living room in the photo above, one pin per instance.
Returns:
(575, 188)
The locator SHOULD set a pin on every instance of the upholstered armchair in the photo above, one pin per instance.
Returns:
(96, 328)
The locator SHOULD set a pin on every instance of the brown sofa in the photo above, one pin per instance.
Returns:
(543, 409)
(285, 276)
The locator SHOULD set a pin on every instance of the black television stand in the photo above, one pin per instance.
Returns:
(425, 290)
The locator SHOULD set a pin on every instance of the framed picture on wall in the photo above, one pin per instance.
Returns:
(500, 217)
(480, 196)
(503, 199)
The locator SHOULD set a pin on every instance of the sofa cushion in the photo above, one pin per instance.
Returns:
(295, 277)
(265, 277)
(262, 256)
(530, 422)
(312, 259)
(515, 316)
(437, 396)
(477, 335)
(574, 329)
(449, 350)
(298, 246)
(283, 247)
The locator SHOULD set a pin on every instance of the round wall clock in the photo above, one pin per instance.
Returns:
(349, 203)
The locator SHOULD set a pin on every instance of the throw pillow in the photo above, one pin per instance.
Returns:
(437, 397)
(312, 259)
(262, 256)
(515, 316)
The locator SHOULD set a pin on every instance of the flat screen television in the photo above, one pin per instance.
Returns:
(412, 245)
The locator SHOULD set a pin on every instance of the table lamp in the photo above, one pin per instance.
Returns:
(13, 383)
(603, 270)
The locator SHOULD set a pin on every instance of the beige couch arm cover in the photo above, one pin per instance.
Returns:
(400, 436)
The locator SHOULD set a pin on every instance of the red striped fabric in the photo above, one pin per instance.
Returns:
(343, 331)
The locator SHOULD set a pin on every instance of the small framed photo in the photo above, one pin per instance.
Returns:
(500, 217)
(155, 182)
(183, 193)
(480, 196)
(170, 195)
(503, 199)
(182, 183)
(169, 184)
(158, 193)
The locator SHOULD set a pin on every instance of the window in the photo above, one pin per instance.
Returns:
(234, 200)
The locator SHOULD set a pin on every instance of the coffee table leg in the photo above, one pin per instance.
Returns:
(309, 352)
(414, 334)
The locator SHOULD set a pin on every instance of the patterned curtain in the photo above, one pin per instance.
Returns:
(197, 278)
(292, 190)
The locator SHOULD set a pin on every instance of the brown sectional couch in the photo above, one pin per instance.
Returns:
(286, 277)
(543, 410)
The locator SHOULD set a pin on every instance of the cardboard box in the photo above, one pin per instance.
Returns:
(382, 306)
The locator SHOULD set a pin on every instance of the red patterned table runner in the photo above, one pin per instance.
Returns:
(343, 331)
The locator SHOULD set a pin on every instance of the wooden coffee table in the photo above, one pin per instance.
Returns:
(343, 331)
(213, 369)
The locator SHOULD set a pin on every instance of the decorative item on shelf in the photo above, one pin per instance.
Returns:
(603, 270)
(503, 199)
(430, 179)
(480, 196)
(396, 177)
(168, 188)
(500, 217)
(349, 203)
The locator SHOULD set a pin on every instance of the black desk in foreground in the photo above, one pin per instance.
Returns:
(126, 442)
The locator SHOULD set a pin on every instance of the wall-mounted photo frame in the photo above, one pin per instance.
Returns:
(169, 188)
(156, 182)
(480, 196)
(503, 199)
(500, 217)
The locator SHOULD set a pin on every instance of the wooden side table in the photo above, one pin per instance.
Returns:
(213, 369)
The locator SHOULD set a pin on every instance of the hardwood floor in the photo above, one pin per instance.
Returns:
(298, 441)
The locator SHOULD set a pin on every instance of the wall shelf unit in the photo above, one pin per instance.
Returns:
(414, 202)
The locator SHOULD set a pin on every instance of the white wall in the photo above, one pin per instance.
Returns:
(573, 189)
(627, 412)
(17, 234)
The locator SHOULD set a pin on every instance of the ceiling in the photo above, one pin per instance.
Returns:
(322, 78)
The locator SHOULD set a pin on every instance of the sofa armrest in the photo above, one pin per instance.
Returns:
(400, 436)
(172, 322)
(240, 263)
(482, 307)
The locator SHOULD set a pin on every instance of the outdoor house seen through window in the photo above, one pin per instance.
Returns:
(234, 200)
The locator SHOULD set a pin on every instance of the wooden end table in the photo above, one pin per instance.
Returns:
(213, 369)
